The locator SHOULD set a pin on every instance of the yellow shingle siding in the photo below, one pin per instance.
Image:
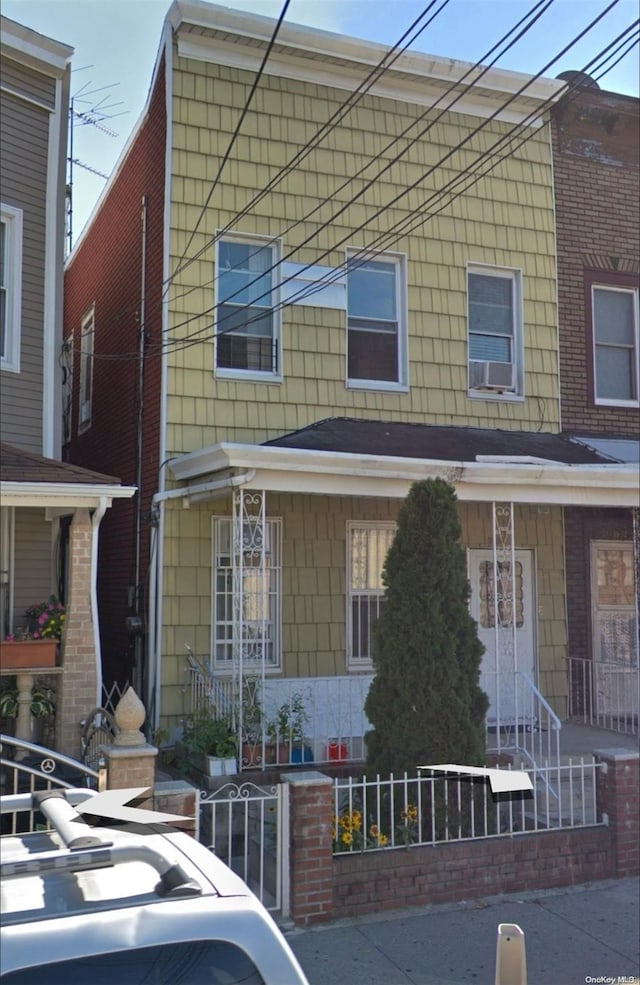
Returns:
(506, 219)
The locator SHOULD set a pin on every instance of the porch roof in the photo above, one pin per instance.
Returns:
(27, 479)
(344, 456)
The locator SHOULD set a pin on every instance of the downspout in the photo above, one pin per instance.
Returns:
(95, 525)
(139, 670)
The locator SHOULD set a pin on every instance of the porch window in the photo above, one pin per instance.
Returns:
(368, 544)
(376, 323)
(6, 550)
(259, 596)
(247, 327)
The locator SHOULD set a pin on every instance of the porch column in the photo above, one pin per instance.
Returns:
(79, 679)
(251, 599)
(504, 621)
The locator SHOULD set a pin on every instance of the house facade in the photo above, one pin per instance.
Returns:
(41, 498)
(596, 141)
(363, 297)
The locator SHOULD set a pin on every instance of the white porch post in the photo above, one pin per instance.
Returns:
(250, 597)
(504, 616)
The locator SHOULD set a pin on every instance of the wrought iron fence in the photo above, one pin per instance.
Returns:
(374, 814)
(605, 694)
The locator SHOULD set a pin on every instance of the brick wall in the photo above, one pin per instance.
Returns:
(324, 887)
(105, 270)
(595, 146)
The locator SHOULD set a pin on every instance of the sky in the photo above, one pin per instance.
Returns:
(116, 44)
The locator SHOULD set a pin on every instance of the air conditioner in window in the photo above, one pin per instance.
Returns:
(484, 375)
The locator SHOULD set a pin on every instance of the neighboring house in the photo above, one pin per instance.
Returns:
(38, 492)
(596, 142)
(274, 406)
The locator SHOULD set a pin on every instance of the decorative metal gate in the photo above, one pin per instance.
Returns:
(247, 826)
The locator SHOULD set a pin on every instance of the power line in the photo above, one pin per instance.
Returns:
(235, 133)
(405, 191)
(383, 65)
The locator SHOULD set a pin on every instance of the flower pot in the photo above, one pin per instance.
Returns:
(337, 751)
(28, 654)
(301, 754)
(215, 766)
(230, 766)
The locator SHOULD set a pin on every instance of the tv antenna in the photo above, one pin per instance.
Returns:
(86, 109)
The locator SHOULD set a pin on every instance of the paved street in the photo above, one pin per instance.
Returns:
(573, 936)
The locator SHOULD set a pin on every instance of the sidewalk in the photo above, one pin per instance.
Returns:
(574, 936)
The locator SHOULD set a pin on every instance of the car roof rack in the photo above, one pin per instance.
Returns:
(85, 850)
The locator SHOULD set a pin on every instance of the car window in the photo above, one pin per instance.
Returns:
(184, 963)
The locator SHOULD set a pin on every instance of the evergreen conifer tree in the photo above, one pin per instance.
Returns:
(425, 703)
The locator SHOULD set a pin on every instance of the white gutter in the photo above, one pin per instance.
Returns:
(95, 525)
(202, 488)
(56, 494)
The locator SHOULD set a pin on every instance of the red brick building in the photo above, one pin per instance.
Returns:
(596, 142)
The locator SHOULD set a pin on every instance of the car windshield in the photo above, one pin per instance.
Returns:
(183, 963)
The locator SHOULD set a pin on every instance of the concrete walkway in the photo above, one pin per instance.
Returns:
(572, 936)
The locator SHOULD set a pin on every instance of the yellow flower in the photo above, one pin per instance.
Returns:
(347, 838)
(373, 830)
(382, 840)
(356, 823)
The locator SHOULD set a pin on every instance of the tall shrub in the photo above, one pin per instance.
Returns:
(425, 703)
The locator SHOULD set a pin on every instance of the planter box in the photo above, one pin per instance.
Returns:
(28, 654)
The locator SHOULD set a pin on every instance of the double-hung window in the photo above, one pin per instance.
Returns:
(367, 547)
(10, 287)
(87, 331)
(376, 322)
(614, 313)
(493, 298)
(247, 326)
(257, 596)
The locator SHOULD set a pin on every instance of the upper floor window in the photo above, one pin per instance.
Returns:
(87, 331)
(10, 287)
(376, 323)
(495, 331)
(247, 327)
(368, 545)
(614, 312)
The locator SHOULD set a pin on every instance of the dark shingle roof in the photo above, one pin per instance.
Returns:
(438, 443)
(17, 465)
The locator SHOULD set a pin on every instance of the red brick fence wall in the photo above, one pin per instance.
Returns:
(323, 887)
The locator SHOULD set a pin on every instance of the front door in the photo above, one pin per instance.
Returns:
(615, 641)
(497, 677)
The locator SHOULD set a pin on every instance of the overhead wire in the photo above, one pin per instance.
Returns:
(388, 59)
(238, 126)
(349, 236)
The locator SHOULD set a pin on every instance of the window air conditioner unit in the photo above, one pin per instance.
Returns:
(485, 375)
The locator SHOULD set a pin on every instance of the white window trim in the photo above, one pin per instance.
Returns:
(251, 375)
(516, 275)
(85, 412)
(610, 401)
(402, 384)
(224, 668)
(353, 663)
(12, 220)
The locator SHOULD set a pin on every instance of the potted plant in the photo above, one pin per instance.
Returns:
(210, 739)
(35, 645)
(286, 732)
(43, 705)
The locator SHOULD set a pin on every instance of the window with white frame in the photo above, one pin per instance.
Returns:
(367, 546)
(10, 287)
(247, 333)
(495, 330)
(87, 331)
(259, 595)
(376, 322)
(614, 315)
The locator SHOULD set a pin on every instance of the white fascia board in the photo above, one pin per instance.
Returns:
(414, 87)
(37, 50)
(332, 45)
(342, 473)
(55, 494)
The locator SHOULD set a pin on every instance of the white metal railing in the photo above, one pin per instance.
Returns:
(528, 725)
(604, 694)
(331, 718)
(371, 814)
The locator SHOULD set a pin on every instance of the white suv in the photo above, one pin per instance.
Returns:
(128, 904)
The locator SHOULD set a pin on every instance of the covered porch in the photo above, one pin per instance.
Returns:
(296, 532)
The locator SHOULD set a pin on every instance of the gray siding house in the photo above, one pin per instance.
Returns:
(49, 511)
